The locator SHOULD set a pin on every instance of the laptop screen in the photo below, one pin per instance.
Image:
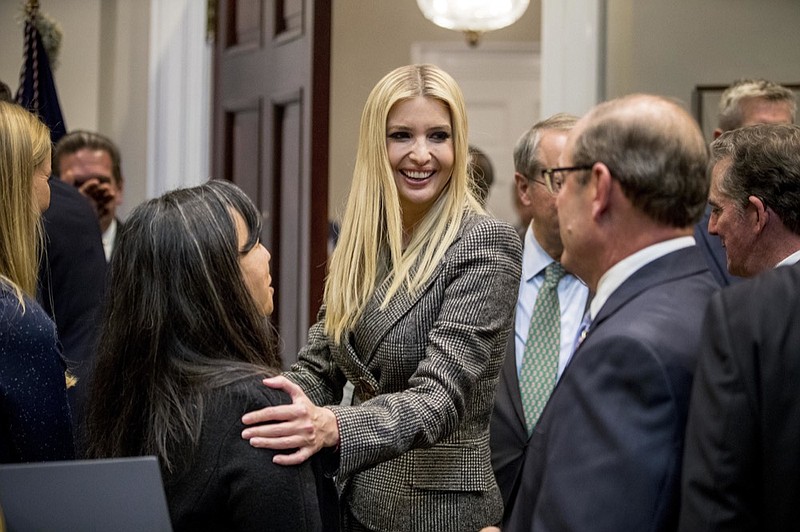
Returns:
(120, 494)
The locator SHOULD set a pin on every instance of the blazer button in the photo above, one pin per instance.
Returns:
(367, 390)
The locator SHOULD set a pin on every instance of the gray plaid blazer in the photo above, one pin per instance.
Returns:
(414, 452)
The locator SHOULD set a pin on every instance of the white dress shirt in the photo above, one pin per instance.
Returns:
(791, 260)
(109, 236)
(572, 296)
(621, 271)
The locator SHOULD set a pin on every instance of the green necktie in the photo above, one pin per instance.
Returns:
(540, 360)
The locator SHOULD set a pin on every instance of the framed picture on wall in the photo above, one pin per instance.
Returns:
(705, 104)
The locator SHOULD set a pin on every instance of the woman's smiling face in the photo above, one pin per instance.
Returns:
(419, 141)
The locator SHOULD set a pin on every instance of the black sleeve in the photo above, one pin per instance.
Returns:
(719, 467)
(260, 494)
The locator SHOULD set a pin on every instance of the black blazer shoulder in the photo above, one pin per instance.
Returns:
(222, 483)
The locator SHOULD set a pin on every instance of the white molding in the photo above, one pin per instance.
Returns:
(573, 55)
(179, 87)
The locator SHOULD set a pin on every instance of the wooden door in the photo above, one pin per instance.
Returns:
(270, 137)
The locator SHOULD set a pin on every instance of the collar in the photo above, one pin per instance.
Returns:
(621, 271)
(794, 258)
(534, 258)
(109, 236)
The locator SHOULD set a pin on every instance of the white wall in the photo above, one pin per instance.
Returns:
(573, 55)
(77, 79)
(370, 38)
(123, 85)
(669, 47)
(102, 77)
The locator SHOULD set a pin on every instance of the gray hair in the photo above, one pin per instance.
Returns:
(526, 159)
(730, 103)
(655, 150)
(764, 162)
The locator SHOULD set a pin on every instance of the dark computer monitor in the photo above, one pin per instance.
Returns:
(120, 494)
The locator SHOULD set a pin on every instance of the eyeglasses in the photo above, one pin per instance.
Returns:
(537, 181)
(554, 178)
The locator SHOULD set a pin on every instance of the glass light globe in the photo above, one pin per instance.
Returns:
(473, 15)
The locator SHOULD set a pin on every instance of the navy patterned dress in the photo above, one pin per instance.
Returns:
(35, 420)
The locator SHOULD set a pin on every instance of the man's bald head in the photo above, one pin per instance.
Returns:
(654, 149)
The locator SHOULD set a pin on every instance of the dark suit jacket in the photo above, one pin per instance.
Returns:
(72, 280)
(742, 461)
(606, 453)
(508, 434)
(712, 249)
(414, 454)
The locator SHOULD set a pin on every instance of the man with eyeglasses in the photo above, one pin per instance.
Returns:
(631, 183)
(515, 409)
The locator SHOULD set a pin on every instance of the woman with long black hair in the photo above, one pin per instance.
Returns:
(184, 345)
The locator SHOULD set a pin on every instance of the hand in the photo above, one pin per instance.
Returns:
(300, 425)
(101, 195)
(490, 529)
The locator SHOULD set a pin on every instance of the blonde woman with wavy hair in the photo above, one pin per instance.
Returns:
(35, 416)
(417, 309)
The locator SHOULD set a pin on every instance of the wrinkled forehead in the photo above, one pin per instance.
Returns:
(757, 110)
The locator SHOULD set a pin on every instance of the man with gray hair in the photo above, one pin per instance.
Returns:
(606, 451)
(741, 468)
(518, 403)
(744, 103)
(755, 101)
(755, 197)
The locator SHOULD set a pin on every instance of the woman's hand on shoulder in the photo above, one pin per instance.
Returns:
(300, 425)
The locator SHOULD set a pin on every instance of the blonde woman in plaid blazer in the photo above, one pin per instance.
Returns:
(417, 310)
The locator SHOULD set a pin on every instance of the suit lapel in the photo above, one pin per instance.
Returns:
(675, 265)
(378, 322)
(512, 380)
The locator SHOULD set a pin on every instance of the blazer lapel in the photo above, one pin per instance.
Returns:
(512, 380)
(681, 263)
(378, 322)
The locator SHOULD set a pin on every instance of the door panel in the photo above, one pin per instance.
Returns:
(271, 100)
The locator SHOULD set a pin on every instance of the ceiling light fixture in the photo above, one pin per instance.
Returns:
(473, 17)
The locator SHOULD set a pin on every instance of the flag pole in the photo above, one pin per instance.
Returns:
(37, 90)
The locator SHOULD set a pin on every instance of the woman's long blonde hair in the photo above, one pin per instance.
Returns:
(372, 228)
(24, 146)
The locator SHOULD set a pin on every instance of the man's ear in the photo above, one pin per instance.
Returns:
(759, 211)
(603, 184)
(522, 185)
(717, 133)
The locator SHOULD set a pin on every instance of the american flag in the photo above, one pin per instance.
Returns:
(37, 89)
